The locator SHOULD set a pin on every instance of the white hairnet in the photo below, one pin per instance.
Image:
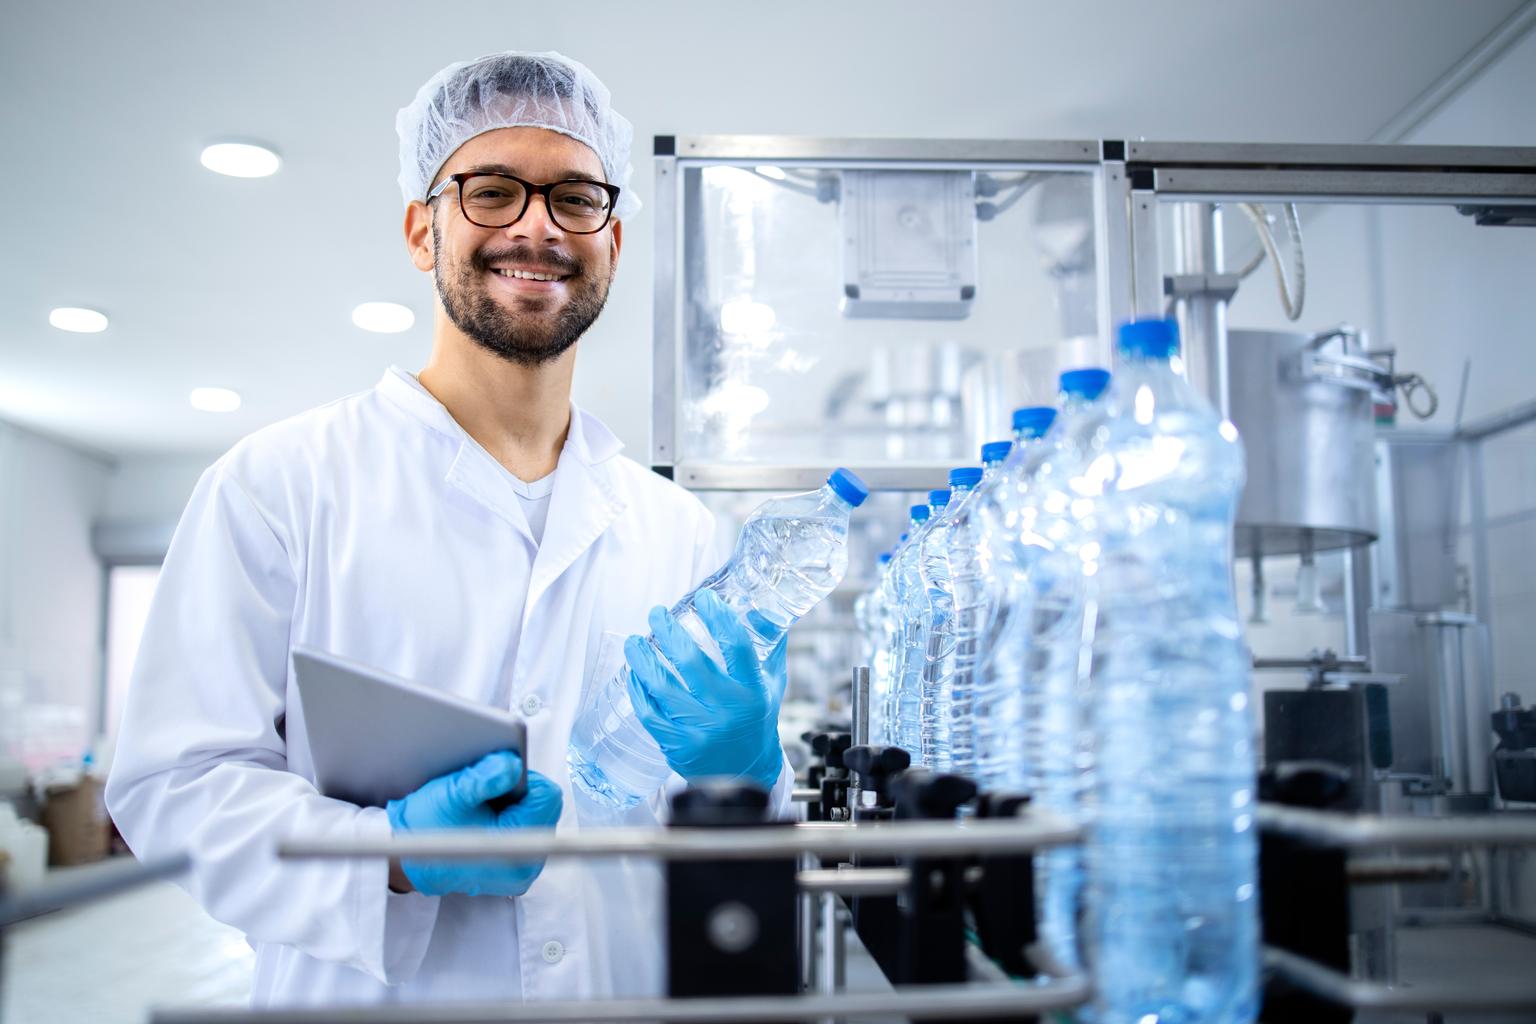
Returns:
(512, 90)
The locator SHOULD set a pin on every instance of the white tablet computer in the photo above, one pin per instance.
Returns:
(375, 737)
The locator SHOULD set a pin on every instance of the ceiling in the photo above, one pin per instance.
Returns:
(249, 284)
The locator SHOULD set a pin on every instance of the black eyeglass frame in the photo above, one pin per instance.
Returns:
(530, 189)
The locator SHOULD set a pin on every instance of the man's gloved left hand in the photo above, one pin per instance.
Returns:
(715, 722)
(461, 800)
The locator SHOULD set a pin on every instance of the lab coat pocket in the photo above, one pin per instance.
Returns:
(609, 659)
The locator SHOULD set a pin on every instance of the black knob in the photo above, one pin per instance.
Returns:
(921, 794)
(832, 746)
(875, 765)
(1315, 784)
(720, 802)
(1000, 804)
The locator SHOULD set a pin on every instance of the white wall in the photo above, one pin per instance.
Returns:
(50, 595)
(153, 489)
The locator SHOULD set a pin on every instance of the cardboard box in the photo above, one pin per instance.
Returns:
(75, 816)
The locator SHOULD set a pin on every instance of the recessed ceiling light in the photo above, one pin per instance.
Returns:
(81, 321)
(214, 399)
(240, 160)
(383, 317)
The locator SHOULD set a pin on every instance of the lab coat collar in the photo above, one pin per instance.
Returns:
(586, 498)
(589, 438)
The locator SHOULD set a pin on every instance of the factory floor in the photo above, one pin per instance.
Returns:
(108, 963)
(111, 961)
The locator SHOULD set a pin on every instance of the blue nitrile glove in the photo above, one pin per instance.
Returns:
(459, 800)
(717, 722)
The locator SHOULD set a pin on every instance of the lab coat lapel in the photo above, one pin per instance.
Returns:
(584, 503)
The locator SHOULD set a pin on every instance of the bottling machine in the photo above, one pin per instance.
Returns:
(881, 304)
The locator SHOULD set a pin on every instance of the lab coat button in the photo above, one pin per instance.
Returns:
(553, 952)
(532, 704)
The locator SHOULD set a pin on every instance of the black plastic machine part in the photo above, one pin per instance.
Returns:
(730, 923)
(1514, 759)
(877, 919)
(1002, 898)
(1304, 891)
(830, 747)
(930, 948)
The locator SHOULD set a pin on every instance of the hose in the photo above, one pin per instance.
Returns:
(1411, 384)
(1293, 303)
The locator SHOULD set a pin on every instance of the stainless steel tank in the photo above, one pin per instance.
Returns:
(1304, 405)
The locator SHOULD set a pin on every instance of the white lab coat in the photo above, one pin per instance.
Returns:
(377, 529)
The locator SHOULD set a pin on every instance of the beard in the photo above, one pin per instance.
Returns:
(532, 335)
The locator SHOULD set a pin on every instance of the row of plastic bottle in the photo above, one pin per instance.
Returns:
(1061, 622)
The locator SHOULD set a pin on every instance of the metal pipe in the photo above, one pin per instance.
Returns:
(1511, 418)
(860, 704)
(805, 796)
(1359, 597)
(1205, 315)
(805, 908)
(848, 881)
(1340, 988)
(831, 979)
(1366, 831)
(916, 1002)
(1031, 830)
(860, 733)
(87, 884)
(1398, 869)
(1289, 663)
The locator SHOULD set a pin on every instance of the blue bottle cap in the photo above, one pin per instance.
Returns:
(1033, 420)
(920, 512)
(994, 452)
(848, 487)
(965, 476)
(1089, 383)
(938, 499)
(1153, 339)
(885, 556)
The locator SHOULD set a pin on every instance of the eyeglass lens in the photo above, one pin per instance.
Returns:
(494, 202)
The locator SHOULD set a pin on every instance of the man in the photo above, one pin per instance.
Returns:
(467, 528)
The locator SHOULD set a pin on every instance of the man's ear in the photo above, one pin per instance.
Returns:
(418, 235)
(618, 242)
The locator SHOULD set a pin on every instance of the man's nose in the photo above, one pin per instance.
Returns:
(535, 224)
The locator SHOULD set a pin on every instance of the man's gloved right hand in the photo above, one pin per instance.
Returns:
(459, 801)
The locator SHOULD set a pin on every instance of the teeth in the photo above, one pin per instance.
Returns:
(528, 275)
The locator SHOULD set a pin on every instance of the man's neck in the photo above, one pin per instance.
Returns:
(520, 414)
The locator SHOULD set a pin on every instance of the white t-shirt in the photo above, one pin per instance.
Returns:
(534, 498)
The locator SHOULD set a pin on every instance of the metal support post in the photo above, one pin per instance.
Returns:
(831, 978)
(1203, 313)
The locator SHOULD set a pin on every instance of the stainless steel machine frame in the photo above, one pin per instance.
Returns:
(675, 155)
(1207, 174)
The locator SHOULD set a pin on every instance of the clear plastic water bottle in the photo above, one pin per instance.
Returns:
(1056, 528)
(934, 734)
(790, 554)
(912, 603)
(1173, 903)
(874, 634)
(1002, 622)
(971, 598)
(895, 619)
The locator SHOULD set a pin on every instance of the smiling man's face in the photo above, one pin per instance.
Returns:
(495, 283)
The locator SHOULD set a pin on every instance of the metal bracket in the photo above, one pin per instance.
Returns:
(1220, 287)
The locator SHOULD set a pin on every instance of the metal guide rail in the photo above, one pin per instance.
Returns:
(1030, 831)
(924, 1002)
(1316, 843)
(1366, 831)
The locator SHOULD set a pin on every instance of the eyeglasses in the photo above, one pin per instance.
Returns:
(578, 206)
